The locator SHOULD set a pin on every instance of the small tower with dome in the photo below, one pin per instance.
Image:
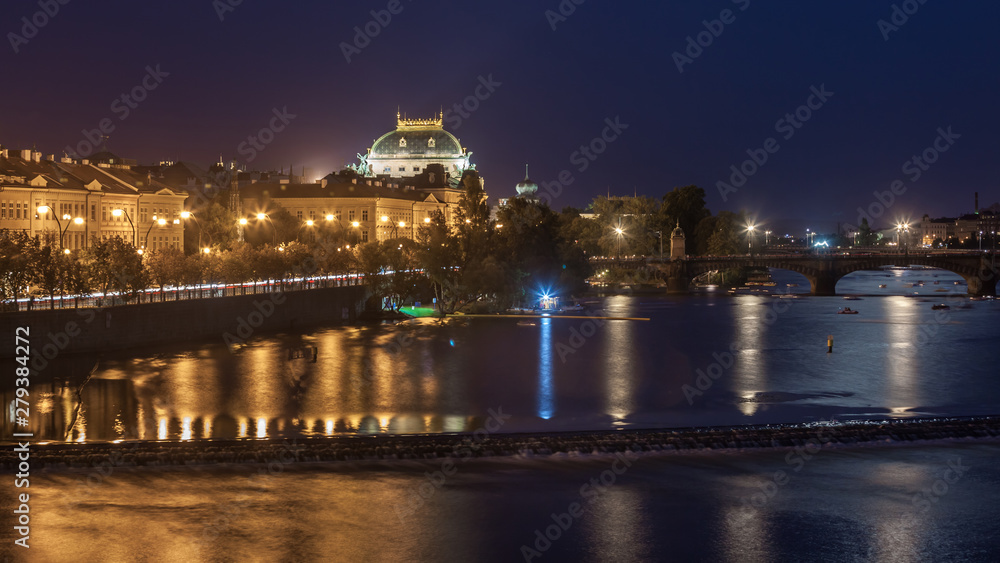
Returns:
(677, 243)
(526, 188)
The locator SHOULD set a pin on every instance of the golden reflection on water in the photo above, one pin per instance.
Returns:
(621, 367)
(902, 338)
(749, 374)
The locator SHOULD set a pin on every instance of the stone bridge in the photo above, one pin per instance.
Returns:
(824, 270)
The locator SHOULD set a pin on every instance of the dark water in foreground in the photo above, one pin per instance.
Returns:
(768, 357)
(933, 502)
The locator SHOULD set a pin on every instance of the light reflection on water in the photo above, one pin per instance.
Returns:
(766, 357)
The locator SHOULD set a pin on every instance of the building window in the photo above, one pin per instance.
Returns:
(364, 236)
(430, 142)
(93, 212)
(416, 169)
(387, 169)
(3, 210)
(364, 214)
(402, 169)
(18, 210)
(350, 215)
(312, 214)
(298, 215)
(402, 142)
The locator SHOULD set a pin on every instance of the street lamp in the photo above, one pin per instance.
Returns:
(274, 231)
(767, 238)
(135, 232)
(618, 242)
(188, 215)
(750, 229)
(160, 222)
(44, 210)
(659, 235)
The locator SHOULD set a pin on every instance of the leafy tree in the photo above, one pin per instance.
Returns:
(218, 224)
(438, 253)
(17, 251)
(865, 235)
(726, 238)
(116, 266)
(685, 206)
(166, 266)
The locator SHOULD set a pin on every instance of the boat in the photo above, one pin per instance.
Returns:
(940, 306)
(882, 285)
(527, 323)
(852, 298)
(941, 290)
(847, 311)
(791, 285)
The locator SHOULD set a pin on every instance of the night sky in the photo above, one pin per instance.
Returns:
(557, 88)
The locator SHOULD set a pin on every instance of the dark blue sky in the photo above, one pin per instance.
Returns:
(556, 89)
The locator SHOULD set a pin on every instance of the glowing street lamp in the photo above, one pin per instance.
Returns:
(274, 231)
(750, 230)
(161, 222)
(135, 231)
(619, 232)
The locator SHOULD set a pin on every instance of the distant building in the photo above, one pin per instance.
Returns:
(83, 195)
(413, 146)
(933, 229)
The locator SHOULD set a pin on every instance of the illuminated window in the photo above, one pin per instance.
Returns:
(387, 169)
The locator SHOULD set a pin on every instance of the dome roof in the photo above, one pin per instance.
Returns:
(526, 187)
(419, 143)
(678, 231)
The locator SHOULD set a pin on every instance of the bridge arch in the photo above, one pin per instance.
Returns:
(824, 271)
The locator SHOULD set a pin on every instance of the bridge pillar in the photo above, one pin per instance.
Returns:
(824, 283)
(984, 282)
(678, 284)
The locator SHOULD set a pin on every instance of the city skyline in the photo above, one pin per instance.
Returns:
(674, 112)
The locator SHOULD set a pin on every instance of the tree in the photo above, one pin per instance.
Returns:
(218, 224)
(166, 266)
(726, 238)
(438, 255)
(865, 235)
(116, 266)
(685, 206)
(17, 250)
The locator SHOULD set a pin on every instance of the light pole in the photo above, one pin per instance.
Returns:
(767, 238)
(160, 222)
(188, 215)
(308, 223)
(274, 231)
(659, 235)
(135, 232)
(750, 229)
(44, 210)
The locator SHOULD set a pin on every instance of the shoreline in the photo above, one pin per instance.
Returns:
(368, 448)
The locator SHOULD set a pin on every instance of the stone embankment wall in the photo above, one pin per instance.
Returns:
(64, 331)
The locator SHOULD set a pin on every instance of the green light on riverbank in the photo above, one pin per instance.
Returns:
(418, 311)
